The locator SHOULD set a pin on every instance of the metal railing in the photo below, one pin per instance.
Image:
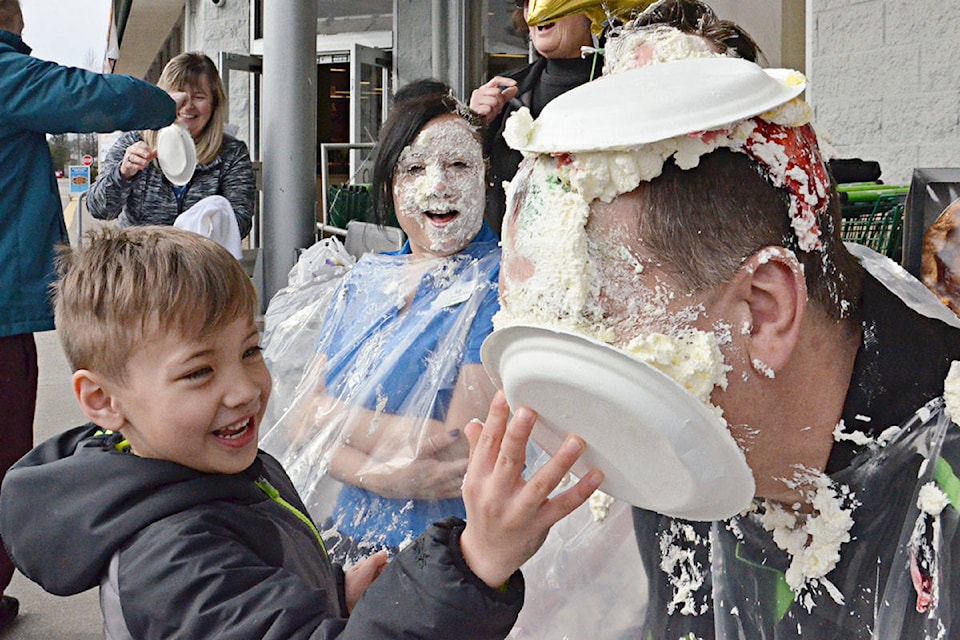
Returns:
(324, 226)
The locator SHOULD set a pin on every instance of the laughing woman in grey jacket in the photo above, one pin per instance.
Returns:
(131, 186)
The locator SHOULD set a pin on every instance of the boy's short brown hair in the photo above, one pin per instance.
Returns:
(124, 285)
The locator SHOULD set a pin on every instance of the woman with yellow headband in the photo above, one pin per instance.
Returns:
(559, 68)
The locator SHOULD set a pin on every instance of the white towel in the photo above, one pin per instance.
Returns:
(213, 217)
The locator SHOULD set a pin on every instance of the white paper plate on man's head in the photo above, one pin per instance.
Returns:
(176, 154)
(659, 447)
(658, 102)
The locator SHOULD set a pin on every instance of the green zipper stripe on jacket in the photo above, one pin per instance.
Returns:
(948, 481)
(784, 596)
(274, 495)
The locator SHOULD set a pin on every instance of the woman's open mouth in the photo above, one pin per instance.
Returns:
(442, 218)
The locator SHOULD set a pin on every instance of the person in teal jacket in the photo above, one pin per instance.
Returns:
(41, 97)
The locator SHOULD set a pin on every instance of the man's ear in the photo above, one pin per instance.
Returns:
(771, 285)
(96, 399)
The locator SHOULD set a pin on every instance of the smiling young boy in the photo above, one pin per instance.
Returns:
(166, 502)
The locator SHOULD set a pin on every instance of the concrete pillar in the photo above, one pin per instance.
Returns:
(289, 150)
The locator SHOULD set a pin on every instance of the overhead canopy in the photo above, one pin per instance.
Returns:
(142, 28)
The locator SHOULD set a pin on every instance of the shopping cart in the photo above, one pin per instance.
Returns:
(881, 228)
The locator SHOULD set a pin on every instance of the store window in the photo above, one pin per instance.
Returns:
(505, 47)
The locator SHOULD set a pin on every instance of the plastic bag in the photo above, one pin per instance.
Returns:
(587, 580)
(892, 538)
(294, 316)
(894, 277)
(372, 436)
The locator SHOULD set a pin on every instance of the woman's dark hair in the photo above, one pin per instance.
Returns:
(419, 89)
(696, 18)
(414, 106)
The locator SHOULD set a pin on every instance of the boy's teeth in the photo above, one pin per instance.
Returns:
(233, 430)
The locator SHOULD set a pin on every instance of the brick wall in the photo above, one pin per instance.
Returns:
(885, 81)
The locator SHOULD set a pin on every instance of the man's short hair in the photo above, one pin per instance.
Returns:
(123, 286)
(697, 18)
(10, 15)
(701, 223)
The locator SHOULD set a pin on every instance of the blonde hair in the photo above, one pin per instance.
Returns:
(124, 285)
(192, 70)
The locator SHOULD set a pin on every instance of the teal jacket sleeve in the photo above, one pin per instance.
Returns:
(46, 97)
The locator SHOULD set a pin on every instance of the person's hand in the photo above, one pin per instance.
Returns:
(180, 97)
(488, 100)
(135, 158)
(508, 518)
(360, 576)
(418, 479)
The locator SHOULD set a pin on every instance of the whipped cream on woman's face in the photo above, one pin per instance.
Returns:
(438, 187)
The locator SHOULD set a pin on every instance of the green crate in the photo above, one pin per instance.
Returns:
(348, 202)
(882, 231)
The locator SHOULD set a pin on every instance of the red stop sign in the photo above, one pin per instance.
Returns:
(87, 160)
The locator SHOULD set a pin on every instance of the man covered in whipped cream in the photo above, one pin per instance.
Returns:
(682, 212)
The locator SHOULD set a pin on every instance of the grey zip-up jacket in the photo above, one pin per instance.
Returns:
(149, 197)
(183, 555)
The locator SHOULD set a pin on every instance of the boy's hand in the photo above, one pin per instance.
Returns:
(361, 575)
(508, 518)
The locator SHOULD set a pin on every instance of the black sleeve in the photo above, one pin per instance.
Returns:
(428, 590)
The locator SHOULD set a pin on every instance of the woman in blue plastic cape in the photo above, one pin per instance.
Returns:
(373, 434)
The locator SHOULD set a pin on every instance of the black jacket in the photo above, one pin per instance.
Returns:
(538, 83)
(898, 379)
(183, 554)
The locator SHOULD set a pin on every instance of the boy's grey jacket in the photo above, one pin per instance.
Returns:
(212, 556)
(149, 199)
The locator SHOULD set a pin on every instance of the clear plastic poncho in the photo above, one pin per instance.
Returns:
(369, 415)
(895, 578)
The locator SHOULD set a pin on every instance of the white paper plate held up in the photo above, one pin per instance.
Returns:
(176, 154)
(658, 102)
(658, 447)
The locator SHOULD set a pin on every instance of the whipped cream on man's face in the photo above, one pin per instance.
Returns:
(438, 187)
(576, 267)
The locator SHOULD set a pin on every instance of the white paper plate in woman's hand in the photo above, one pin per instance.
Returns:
(176, 154)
